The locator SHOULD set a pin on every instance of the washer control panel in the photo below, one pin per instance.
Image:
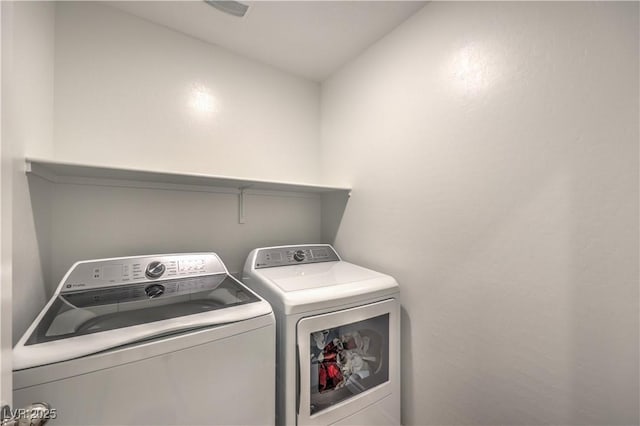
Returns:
(295, 255)
(141, 269)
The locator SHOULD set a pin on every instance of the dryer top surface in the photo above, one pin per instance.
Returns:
(319, 275)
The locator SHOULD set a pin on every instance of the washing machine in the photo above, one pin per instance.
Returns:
(165, 340)
(338, 336)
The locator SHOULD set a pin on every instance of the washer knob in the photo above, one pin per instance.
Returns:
(299, 256)
(154, 290)
(155, 269)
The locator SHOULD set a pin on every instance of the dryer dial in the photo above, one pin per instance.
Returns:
(299, 256)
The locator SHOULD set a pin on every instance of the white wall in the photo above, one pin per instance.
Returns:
(6, 383)
(96, 221)
(132, 93)
(27, 126)
(493, 152)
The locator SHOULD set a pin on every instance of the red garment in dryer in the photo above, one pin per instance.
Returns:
(329, 373)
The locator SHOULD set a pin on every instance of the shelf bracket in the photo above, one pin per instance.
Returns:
(241, 218)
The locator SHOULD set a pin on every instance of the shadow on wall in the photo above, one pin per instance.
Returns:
(40, 192)
(31, 246)
(605, 299)
(333, 207)
(406, 356)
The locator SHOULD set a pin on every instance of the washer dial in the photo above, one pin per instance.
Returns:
(155, 269)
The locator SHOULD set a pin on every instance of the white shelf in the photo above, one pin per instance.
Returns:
(88, 174)
(68, 172)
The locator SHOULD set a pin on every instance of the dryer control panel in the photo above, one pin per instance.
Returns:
(295, 255)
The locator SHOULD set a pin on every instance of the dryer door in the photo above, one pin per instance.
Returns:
(348, 360)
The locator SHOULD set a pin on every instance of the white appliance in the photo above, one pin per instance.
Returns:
(165, 339)
(338, 336)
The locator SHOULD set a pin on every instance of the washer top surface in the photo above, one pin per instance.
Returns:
(106, 303)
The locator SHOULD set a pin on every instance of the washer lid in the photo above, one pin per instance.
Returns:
(93, 311)
(68, 330)
(97, 316)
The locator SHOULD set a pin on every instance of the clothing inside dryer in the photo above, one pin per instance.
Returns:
(348, 360)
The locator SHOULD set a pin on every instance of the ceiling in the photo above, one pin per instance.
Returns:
(307, 38)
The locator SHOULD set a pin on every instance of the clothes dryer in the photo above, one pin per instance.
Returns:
(338, 336)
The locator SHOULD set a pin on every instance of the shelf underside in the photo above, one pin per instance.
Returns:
(64, 172)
